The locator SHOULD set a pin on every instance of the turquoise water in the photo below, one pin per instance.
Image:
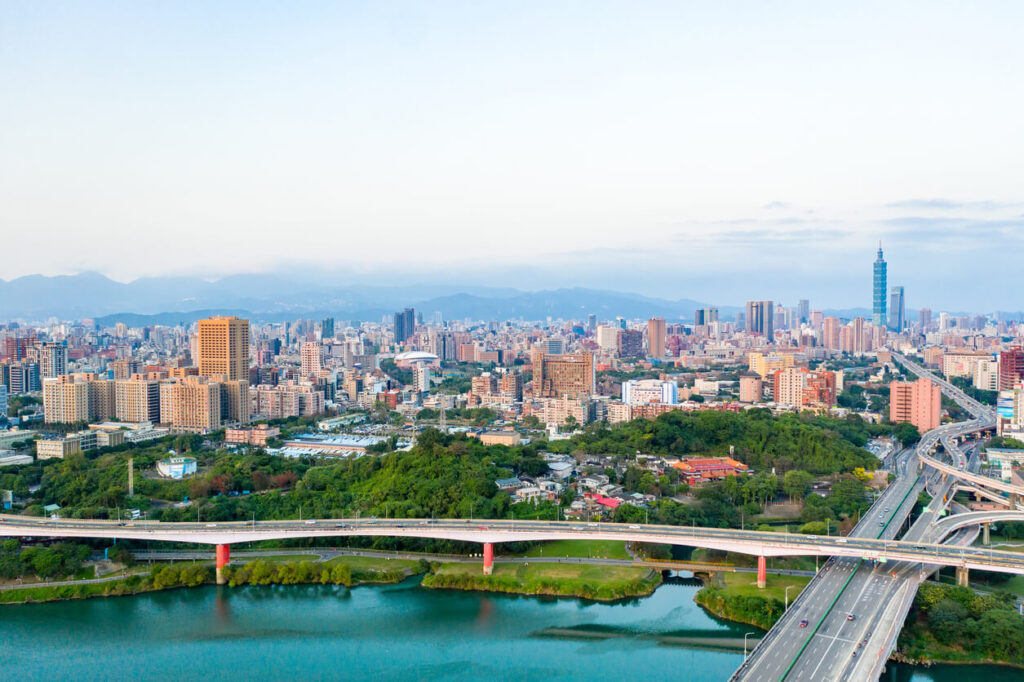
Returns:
(399, 632)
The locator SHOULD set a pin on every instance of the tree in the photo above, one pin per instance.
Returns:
(797, 484)
(906, 433)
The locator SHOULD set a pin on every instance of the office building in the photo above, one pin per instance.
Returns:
(566, 374)
(3, 401)
(656, 337)
(897, 309)
(918, 402)
(878, 316)
(591, 322)
(803, 311)
(761, 318)
(223, 348)
(405, 325)
(327, 328)
(705, 316)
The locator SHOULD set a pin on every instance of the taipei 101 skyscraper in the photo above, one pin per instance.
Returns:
(878, 317)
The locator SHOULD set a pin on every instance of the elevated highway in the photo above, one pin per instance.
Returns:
(757, 543)
(817, 639)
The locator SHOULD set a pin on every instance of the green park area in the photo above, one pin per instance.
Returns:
(598, 582)
(594, 549)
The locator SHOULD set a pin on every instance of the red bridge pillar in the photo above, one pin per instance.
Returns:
(762, 572)
(223, 559)
(488, 558)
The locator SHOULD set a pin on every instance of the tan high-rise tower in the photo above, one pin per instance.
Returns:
(224, 348)
(656, 337)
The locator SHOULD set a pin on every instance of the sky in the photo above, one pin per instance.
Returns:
(717, 151)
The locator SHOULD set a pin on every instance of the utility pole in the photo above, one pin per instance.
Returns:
(131, 477)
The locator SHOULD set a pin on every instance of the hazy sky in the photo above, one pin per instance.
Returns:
(712, 150)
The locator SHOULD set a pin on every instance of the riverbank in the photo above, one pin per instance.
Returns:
(736, 597)
(349, 571)
(587, 581)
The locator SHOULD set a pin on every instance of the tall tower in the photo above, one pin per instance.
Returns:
(878, 316)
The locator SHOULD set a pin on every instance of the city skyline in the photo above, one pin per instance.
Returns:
(451, 132)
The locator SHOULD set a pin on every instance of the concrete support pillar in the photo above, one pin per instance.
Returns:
(962, 576)
(985, 540)
(488, 558)
(223, 559)
(762, 572)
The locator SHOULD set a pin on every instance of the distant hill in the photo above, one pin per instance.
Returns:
(172, 300)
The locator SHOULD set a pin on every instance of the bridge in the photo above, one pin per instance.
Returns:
(488, 533)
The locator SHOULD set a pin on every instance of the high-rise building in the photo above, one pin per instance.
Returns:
(830, 334)
(630, 343)
(137, 400)
(897, 309)
(511, 384)
(878, 317)
(3, 401)
(53, 360)
(608, 338)
(405, 325)
(591, 322)
(327, 328)
(192, 404)
(312, 355)
(800, 387)
(925, 316)
(918, 402)
(705, 316)
(761, 318)
(65, 400)
(656, 337)
(803, 311)
(23, 377)
(1011, 367)
(567, 374)
(223, 348)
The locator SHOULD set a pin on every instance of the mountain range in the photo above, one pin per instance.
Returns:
(272, 297)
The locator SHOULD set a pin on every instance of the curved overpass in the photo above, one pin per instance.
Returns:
(957, 521)
(489, 532)
(976, 479)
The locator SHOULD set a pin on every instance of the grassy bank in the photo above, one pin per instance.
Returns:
(597, 549)
(736, 597)
(601, 583)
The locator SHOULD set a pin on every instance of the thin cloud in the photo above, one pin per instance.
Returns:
(940, 204)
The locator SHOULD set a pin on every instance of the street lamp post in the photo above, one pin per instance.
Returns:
(786, 608)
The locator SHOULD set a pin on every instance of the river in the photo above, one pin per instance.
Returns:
(395, 632)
